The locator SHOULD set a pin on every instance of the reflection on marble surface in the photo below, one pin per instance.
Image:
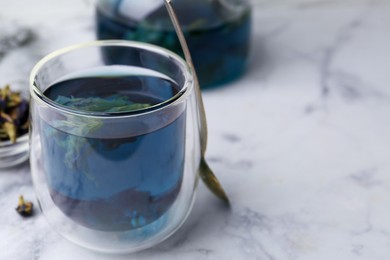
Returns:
(301, 143)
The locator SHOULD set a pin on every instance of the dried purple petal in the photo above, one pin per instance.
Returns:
(23, 106)
(21, 113)
(3, 104)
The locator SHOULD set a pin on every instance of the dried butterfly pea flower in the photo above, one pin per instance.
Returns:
(13, 115)
(24, 208)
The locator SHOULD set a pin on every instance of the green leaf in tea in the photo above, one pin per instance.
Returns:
(113, 103)
(74, 145)
(77, 146)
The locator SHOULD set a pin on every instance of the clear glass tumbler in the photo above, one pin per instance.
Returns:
(114, 143)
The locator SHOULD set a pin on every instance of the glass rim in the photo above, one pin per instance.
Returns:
(38, 95)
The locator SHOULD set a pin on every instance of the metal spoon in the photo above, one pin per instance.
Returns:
(205, 172)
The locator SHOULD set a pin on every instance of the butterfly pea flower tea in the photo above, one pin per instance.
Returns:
(144, 167)
(114, 148)
(218, 32)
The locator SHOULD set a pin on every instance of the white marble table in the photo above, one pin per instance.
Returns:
(301, 143)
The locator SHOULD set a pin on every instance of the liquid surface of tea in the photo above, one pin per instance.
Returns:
(105, 180)
(218, 39)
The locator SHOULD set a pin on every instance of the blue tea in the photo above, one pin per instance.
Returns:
(109, 181)
(218, 38)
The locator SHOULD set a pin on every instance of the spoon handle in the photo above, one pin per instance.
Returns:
(205, 172)
(211, 181)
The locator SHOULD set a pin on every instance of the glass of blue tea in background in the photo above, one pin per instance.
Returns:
(114, 146)
(217, 31)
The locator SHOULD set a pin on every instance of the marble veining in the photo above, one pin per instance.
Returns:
(301, 142)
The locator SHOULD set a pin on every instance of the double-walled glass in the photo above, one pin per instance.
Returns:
(120, 181)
